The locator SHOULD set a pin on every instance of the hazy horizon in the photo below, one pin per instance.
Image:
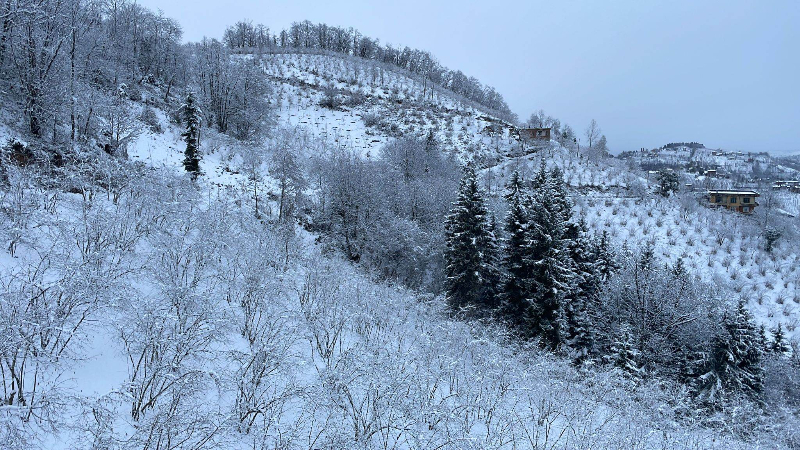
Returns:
(719, 73)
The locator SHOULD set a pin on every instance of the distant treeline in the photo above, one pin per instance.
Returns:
(684, 144)
(348, 41)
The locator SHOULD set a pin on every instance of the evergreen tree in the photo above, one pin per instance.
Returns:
(562, 201)
(191, 117)
(679, 269)
(647, 258)
(779, 344)
(585, 282)
(581, 299)
(491, 271)
(624, 354)
(470, 249)
(668, 182)
(771, 235)
(541, 177)
(515, 295)
(552, 278)
(605, 260)
(581, 333)
(762, 338)
(548, 258)
(734, 366)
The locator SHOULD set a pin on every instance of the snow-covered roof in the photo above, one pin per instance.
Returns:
(722, 191)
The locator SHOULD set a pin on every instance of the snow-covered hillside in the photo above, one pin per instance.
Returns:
(144, 309)
(181, 318)
(369, 103)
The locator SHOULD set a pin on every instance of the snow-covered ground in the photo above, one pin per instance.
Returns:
(391, 102)
(187, 282)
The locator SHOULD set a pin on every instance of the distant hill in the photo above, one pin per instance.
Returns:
(684, 144)
(322, 38)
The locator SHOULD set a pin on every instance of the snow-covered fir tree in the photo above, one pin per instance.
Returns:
(763, 342)
(191, 135)
(624, 355)
(470, 245)
(515, 296)
(734, 365)
(580, 304)
(779, 344)
(605, 260)
(551, 267)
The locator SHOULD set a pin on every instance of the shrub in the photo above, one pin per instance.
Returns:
(150, 118)
(355, 99)
(371, 119)
(330, 98)
(134, 93)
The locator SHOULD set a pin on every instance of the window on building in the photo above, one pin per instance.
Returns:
(733, 199)
(718, 199)
(746, 209)
(746, 200)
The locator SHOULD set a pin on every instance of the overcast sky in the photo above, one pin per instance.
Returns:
(650, 72)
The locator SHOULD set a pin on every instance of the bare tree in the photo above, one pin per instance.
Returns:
(286, 168)
(592, 133)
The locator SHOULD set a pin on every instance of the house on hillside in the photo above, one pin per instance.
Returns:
(739, 201)
(789, 185)
(534, 134)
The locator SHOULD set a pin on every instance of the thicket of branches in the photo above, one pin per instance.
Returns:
(76, 67)
(387, 213)
(233, 334)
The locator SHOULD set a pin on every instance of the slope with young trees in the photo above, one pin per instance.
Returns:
(292, 294)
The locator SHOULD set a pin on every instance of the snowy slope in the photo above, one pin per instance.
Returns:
(352, 363)
(379, 104)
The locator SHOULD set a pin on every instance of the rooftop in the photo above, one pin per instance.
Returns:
(722, 191)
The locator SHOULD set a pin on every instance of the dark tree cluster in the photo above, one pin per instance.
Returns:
(668, 182)
(552, 282)
(545, 279)
(191, 135)
(692, 145)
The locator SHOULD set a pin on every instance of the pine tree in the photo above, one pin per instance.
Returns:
(581, 333)
(744, 339)
(561, 199)
(779, 344)
(550, 264)
(668, 182)
(762, 338)
(551, 278)
(647, 257)
(581, 300)
(491, 271)
(624, 354)
(469, 252)
(605, 260)
(191, 116)
(541, 177)
(679, 269)
(734, 366)
(515, 295)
